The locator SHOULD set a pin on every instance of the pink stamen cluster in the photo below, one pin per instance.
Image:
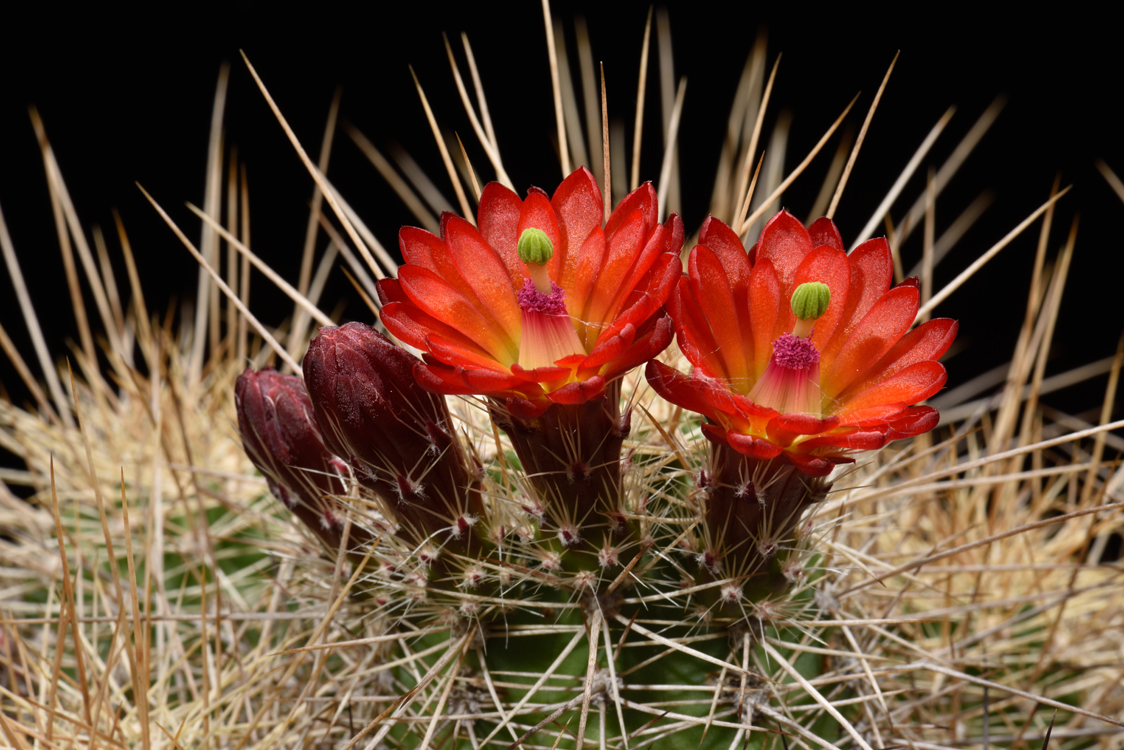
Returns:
(532, 300)
(794, 353)
(791, 382)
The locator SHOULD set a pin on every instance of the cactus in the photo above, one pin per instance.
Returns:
(612, 483)
(599, 536)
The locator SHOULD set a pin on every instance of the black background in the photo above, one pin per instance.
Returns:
(126, 97)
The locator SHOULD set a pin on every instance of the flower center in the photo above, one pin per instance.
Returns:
(548, 333)
(791, 382)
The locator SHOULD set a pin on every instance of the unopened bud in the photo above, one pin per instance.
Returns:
(397, 437)
(281, 438)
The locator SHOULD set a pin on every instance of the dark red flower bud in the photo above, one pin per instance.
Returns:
(280, 435)
(397, 437)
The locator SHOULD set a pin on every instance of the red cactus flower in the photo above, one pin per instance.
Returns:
(847, 378)
(541, 304)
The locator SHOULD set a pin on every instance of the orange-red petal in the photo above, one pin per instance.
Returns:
(872, 338)
(851, 440)
(622, 248)
(587, 262)
(695, 338)
(764, 307)
(726, 245)
(526, 408)
(579, 391)
(436, 297)
(826, 265)
(460, 380)
(646, 345)
(815, 466)
(539, 374)
(914, 421)
(485, 272)
(451, 350)
(872, 416)
(872, 270)
(627, 291)
(928, 341)
(823, 231)
(785, 428)
(676, 387)
(784, 243)
(642, 199)
(498, 221)
(710, 286)
(537, 213)
(412, 326)
(610, 347)
(751, 446)
(651, 292)
(915, 383)
(577, 204)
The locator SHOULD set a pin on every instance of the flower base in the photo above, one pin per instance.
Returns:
(571, 457)
(752, 510)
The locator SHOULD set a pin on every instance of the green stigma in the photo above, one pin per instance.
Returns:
(535, 247)
(810, 300)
